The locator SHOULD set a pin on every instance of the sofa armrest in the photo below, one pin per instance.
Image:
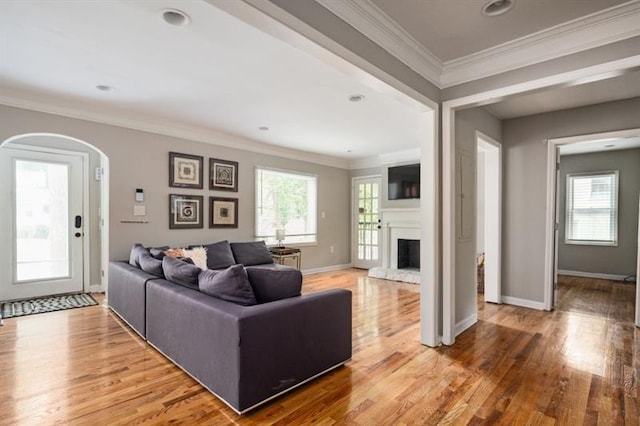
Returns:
(287, 342)
(126, 293)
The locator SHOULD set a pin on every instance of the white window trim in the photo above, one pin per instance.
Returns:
(568, 208)
(255, 219)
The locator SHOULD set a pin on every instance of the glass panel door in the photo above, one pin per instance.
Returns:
(366, 219)
(42, 220)
(42, 223)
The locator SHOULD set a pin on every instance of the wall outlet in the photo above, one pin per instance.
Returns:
(332, 249)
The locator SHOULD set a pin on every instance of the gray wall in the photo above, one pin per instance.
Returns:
(140, 160)
(467, 122)
(619, 260)
(524, 185)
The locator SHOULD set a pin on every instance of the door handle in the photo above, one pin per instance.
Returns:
(78, 223)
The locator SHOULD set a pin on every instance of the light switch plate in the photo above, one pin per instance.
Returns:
(139, 211)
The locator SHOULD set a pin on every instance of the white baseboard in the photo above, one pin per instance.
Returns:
(525, 303)
(96, 288)
(326, 269)
(592, 275)
(466, 323)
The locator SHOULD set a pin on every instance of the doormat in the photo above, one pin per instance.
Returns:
(40, 305)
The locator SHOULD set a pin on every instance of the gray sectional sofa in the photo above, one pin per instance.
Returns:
(245, 355)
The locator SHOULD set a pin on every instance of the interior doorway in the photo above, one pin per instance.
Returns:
(489, 216)
(591, 228)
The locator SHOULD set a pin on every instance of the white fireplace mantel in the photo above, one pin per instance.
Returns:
(397, 223)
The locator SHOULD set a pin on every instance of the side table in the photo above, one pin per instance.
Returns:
(279, 254)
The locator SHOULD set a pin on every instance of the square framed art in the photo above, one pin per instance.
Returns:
(185, 171)
(223, 175)
(223, 212)
(185, 211)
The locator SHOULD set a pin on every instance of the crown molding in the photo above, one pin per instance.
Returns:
(390, 158)
(598, 29)
(372, 22)
(607, 26)
(192, 133)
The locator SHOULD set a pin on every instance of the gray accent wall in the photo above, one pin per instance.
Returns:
(140, 159)
(618, 260)
(524, 185)
(467, 122)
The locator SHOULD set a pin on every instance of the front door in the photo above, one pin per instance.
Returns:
(366, 233)
(41, 223)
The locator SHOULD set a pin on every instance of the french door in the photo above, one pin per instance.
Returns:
(366, 214)
(41, 223)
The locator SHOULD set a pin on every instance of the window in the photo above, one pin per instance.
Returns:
(592, 209)
(285, 200)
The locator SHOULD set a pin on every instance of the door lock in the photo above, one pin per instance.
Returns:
(78, 235)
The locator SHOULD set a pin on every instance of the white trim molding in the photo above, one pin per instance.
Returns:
(595, 275)
(466, 323)
(607, 26)
(377, 26)
(524, 303)
(326, 269)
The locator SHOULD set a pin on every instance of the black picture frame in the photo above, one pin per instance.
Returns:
(185, 211)
(223, 212)
(223, 175)
(186, 171)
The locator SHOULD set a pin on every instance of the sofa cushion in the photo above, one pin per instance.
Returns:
(251, 253)
(158, 252)
(274, 284)
(134, 255)
(219, 255)
(180, 272)
(231, 285)
(150, 264)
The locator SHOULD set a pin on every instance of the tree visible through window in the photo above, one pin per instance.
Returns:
(285, 200)
(592, 208)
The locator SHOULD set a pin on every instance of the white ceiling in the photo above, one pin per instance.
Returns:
(600, 146)
(218, 73)
(221, 76)
(451, 29)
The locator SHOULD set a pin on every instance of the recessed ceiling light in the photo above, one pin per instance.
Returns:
(609, 146)
(104, 88)
(356, 98)
(263, 128)
(176, 17)
(497, 7)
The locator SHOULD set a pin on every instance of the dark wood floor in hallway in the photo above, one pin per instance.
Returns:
(577, 365)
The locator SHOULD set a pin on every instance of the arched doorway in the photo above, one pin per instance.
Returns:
(54, 192)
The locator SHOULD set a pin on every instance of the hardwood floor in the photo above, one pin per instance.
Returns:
(577, 365)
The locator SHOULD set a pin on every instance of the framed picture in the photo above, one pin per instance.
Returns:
(185, 211)
(223, 212)
(185, 171)
(223, 175)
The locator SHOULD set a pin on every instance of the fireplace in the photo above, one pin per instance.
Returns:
(408, 254)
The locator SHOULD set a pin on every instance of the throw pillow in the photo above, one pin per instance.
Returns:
(150, 264)
(134, 255)
(219, 255)
(180, 272)
(274, 284)
(251, 253)
(174, 252)
(198, 255)
(158, 252)
(231, 285)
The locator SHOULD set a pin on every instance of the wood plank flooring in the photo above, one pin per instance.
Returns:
(577, 365)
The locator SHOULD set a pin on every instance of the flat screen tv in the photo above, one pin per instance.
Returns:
(404, 182)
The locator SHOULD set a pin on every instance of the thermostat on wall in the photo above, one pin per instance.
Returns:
(139, 195)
